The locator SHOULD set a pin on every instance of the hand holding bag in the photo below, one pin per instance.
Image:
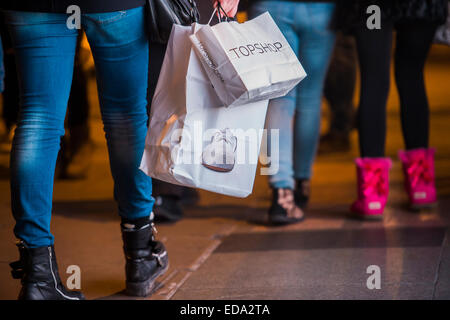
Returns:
(162, 14)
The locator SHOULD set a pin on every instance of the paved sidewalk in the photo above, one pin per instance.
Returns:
(223, 249)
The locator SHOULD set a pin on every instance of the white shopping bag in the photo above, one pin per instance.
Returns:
(248, 61)
(191, 131)
(442, 35)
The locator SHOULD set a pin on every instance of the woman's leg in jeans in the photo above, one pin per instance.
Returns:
(280, 112)
(413, 44)
(316, 46)
(374, 52)
(279, 117)
(45, 50)
(120, 48)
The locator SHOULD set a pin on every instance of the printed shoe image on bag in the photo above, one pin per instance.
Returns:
(220, 154)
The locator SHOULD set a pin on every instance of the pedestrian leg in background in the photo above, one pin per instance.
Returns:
(77, 147)
(306, 27)
(374, 52)
(413, 44)
(11, 91)
(316, 42)
(339, 89)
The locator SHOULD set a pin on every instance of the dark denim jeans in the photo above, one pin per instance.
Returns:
(45, 50)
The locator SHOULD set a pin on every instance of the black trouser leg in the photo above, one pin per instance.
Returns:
(340, 84)
(413, 44)
(374, 52)
(78, 106)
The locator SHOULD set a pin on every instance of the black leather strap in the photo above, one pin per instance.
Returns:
(162, 14)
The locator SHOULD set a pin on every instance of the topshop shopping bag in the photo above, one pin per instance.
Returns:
(193, 140)
(248, 61)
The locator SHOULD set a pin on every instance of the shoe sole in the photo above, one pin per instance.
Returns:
(144, 288)
(218, 169)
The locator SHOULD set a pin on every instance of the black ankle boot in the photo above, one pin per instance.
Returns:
(302, 193)
(146, 259)
(278, 215)
(39, 275)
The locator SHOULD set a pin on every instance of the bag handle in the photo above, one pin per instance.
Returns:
(219, 10)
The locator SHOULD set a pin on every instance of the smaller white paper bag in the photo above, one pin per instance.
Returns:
(247, 62)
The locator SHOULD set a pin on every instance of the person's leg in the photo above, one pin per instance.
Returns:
(11, 93)
(78, 106)
(413, 44)
(315, 49)
(340, 83)
(45, 50)
(374, 53)
(167, 196)
(343, 78)
(76, 148)
(280, 117)
(281, 110)
(156, 59)
(120, 49)
(10, 84)
(338, 90)
(316, 46)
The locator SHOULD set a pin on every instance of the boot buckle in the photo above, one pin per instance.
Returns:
(153, 228)
(159, 257)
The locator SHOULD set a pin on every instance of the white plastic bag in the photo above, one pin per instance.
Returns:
(189, 127)
(442, 35)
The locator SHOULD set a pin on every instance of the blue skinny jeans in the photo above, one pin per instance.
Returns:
(297, 115)
(45, 49)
